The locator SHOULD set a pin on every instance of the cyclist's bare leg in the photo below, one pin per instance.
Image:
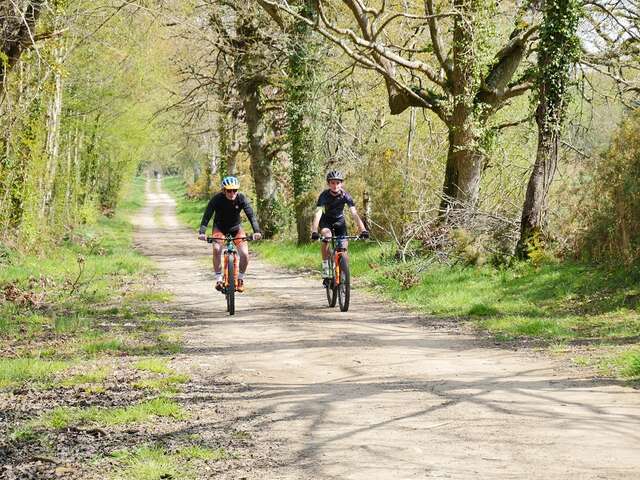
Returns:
(243, 251)
(217, 256)
(217, 250)
(324, 246)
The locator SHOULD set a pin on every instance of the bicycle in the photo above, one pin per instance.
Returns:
(229, 269)
(338, 286)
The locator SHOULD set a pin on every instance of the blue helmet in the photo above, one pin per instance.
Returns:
(230, 183)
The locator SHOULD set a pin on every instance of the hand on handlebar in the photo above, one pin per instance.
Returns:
(315, 236)
(257, 236)
(202, 236)
(364, 234)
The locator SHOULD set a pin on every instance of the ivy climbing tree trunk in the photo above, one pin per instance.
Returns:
(253, 79)
(559, 49)
(261, 160)
(300, 113)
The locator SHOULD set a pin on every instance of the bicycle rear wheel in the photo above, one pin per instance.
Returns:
(344, 287)
(231, 285)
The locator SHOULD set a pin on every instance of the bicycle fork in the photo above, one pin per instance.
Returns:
(336, 266)
(226, 270)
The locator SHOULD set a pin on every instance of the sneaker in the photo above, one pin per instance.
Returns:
(219, 285)
(326, 272)
(240, 287)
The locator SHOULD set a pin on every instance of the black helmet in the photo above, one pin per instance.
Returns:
(335, 175)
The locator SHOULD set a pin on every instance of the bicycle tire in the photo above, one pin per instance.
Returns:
(332, 294)
(344, 287)
(231, 285)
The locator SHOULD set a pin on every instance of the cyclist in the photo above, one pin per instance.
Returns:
(330, 214)
(227, 205)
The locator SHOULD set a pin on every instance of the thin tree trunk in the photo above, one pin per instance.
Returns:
(53, 141)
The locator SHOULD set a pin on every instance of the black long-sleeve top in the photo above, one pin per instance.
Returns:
(227, 213)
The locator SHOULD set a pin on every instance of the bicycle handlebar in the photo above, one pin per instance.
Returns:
(228, 239)
(342, 237)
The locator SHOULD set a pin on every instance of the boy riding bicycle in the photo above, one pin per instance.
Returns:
(330, 215)
(227, 205)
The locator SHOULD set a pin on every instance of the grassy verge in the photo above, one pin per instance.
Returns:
(589, 312)
(188, 211)
(85, 349)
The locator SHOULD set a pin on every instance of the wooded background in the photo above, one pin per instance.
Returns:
(491, 130)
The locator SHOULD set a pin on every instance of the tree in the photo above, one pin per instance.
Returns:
(301, 115)
(456, 77)
(18, 21)
(558, 52)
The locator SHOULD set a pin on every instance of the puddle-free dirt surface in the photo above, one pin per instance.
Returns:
(378, 393)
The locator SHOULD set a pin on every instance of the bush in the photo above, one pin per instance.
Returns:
(613, 218)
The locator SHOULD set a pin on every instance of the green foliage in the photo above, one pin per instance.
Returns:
(559, 50)
(611, 208)
(631, 364)
(61, 170)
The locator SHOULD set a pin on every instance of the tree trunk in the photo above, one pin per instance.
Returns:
(559, 48)
(535, 203)
(301, 116)
(17, 29)
(53, 140)
(261, 161)
(461, 185)
(461, 188)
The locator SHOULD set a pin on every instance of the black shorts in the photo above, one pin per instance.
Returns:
(233, 230)
(338, 226)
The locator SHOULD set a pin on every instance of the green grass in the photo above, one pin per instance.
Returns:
(154, 365)
(16, 371)
(107, 345)
(188, 211)
(25, 433)
(63, 417)
(168, 384)
(154, 463)
(625, 365)
(149, 463)
(96, 376)
(102, 250)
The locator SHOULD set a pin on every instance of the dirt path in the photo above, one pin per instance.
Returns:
(379, 394)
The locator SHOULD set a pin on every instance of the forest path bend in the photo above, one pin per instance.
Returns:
(371, 394)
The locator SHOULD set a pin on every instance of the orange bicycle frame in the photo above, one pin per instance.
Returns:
(336, 266)
(225, 270)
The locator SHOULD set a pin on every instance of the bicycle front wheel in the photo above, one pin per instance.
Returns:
(344, 287)
(329, 285)
(231, 285)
